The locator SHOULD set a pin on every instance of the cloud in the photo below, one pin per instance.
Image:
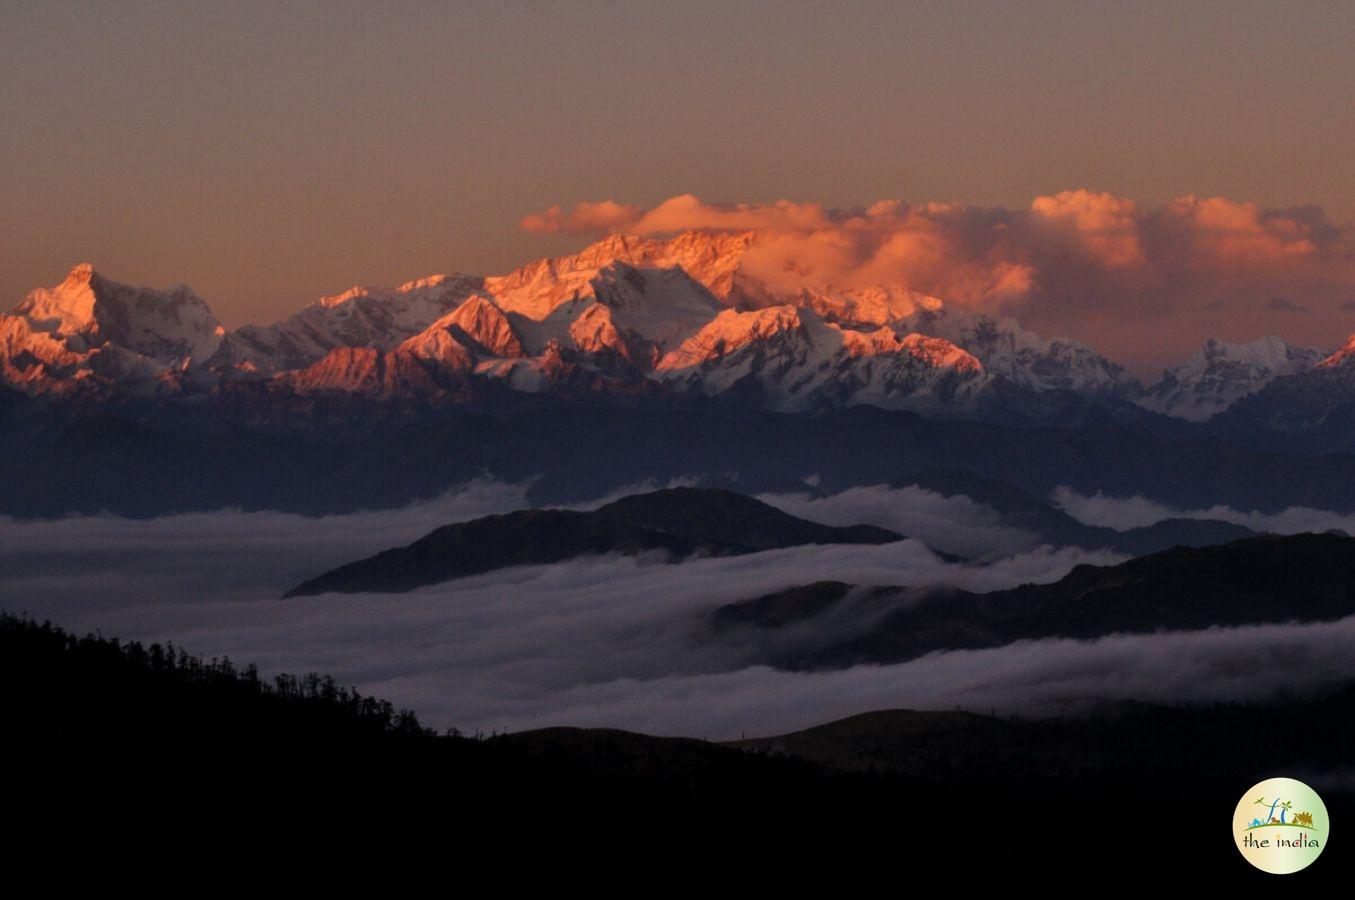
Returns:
(1283, 304)
(1105, 225)
(1123, 513)
(594, 641)
(1035, 677)
(953, 524)
(233, 554)
(610, 641)
(585, 217)
(1134, 281)
(617, 642)
(1216, 231)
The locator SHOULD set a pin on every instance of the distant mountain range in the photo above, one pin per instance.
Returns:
(628, 317)
(636, 360)
(1220, 374)
(571, 451)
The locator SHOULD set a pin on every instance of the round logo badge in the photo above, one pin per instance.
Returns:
(1281, 826)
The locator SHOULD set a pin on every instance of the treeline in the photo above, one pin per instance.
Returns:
(204, 765)
(28, 647)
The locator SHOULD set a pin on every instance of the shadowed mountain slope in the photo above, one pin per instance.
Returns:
(89, 717)
(679, 521)
(1304, 578)
(368, 457)
(1054, 526)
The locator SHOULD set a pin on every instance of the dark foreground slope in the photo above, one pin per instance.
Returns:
(1270, 579)
(678, 521)
(185, 767)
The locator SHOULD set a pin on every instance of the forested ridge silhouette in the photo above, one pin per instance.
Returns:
(152, 753)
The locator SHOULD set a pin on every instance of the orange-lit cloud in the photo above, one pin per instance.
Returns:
(1107, 226)
(1222, 232)
(604, 217)
(1091, 265)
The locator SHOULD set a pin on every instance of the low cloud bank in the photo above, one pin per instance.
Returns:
(603, 641)
(230, 553)
(954, 524)
(1124, 513)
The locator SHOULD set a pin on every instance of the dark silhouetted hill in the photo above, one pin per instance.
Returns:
(145, 755)
(679, 521)
(1302, 578)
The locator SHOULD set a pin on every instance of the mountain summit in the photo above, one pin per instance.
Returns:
(1219, 374)
(711, 315)
(89, 329)
(699, 313)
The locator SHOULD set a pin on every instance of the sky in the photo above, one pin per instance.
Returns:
(267, 154)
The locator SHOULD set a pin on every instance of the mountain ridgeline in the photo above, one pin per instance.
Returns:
(1053, 526)
(648, 320)
(679, 522)
(84, 713)
(572, 452)
(634, 360)
(1269, 579)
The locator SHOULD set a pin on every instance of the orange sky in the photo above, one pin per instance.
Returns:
(269, 155)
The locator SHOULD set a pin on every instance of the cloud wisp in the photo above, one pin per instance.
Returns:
(954, 524)
(1124, 513)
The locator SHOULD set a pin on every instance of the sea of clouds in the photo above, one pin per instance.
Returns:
(608, 641)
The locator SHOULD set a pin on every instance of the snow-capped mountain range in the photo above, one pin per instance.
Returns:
(1219, 374)
(683, 315)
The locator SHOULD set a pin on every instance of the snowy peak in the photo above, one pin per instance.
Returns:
(87, 311)
(359, 317)
(1221, 373)
(92, 332)
(729, 331)
(879, 305)
(940, 353)
(67, 308)
(536, 290)
(682, 312)
(693, 313)
(428, 292)
(664, 306)
(446, 345)
(484, 327)
(790, 359)
(1270, 353)
(595, 332)
(1342, 357)
(682, 280)
(1023, 358)
(936, 352)
(712, 258)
